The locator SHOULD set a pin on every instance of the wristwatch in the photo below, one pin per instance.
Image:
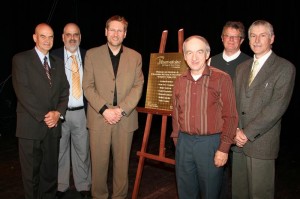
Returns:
(61, 117)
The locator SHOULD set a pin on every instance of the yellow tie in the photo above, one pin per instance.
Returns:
(76, 89)
(253, 71)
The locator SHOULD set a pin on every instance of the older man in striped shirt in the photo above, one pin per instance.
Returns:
(204, 123)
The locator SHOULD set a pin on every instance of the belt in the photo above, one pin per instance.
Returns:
(75, 108)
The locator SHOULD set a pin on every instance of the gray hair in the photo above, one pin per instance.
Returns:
(207, 47)
(262, 23)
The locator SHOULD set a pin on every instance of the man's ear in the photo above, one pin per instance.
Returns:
(207, 55)
(34, 37)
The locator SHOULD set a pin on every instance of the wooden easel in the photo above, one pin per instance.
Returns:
(150, 112)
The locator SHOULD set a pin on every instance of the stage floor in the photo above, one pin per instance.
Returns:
(158, 179)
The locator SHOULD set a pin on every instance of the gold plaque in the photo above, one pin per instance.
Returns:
(163, 70)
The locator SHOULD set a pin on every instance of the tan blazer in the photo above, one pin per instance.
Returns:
(99, 84)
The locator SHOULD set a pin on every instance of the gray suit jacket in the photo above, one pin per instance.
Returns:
(99, 84)
(35, 97)
(262, 105)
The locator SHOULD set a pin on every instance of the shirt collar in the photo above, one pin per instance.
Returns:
(263, 59)
(232, 57)
(41, 55)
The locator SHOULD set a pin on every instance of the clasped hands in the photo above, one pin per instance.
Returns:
(240, 138)
(112, 115)
(51, 119)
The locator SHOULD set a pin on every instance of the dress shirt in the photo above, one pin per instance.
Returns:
(261, 61)
(42, 56)
(73, 102)
(206, 106)
(232, 57)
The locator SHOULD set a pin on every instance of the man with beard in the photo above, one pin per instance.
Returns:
(74, 143)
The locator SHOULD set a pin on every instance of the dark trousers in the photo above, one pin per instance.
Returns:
(196, 174)
(39, 166)
(226, 181)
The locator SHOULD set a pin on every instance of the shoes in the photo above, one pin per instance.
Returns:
(59, 194)
(85, 194)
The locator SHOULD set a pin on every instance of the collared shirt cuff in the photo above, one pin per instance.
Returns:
(104, 107)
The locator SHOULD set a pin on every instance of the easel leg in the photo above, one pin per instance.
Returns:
(142, 157)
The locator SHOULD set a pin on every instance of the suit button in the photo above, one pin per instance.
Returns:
(243, 113)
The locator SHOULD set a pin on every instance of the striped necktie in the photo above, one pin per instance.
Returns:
(47, 70)
(76, 89)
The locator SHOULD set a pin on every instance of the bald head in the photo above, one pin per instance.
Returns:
(42, 27)
(71, 37)
(43, 37)
(71, 26)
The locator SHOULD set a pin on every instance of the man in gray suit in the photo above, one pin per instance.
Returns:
(113, 84)
(263, 93)
(42, 100)
(74, 143)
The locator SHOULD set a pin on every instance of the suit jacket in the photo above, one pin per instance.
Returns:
(34, 95)
(262, 105)
(99, 85)
(60, 52)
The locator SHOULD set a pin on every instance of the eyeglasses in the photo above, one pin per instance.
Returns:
(75, 35)
(232, 37)
(68, 61)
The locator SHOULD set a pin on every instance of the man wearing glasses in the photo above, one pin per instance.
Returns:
(233, 35)
(74, 143)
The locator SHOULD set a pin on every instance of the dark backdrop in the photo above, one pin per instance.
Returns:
(147, 20)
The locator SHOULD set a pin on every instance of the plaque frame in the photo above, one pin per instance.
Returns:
(163, 70)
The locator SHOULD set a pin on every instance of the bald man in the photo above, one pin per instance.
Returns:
(42, 101)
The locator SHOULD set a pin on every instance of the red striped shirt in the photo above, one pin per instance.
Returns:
(205, 106)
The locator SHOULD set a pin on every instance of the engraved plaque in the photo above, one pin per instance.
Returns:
(163, 70)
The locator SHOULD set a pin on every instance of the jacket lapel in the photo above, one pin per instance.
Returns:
(264, 72)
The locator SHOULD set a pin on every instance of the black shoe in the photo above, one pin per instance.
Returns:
(85, 194)
(60, 194)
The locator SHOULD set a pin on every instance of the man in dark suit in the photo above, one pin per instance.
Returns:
(42, 100)
(113, 84)
(74, 143)
(263, 93)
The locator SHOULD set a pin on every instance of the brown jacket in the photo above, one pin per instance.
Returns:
(99, 84)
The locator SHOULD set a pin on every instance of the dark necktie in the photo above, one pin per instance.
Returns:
(47, 69)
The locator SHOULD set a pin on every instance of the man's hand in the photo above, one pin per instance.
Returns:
(51, 118)
(240, 138)
(220, 158)
(175, 141)
(112, 115)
